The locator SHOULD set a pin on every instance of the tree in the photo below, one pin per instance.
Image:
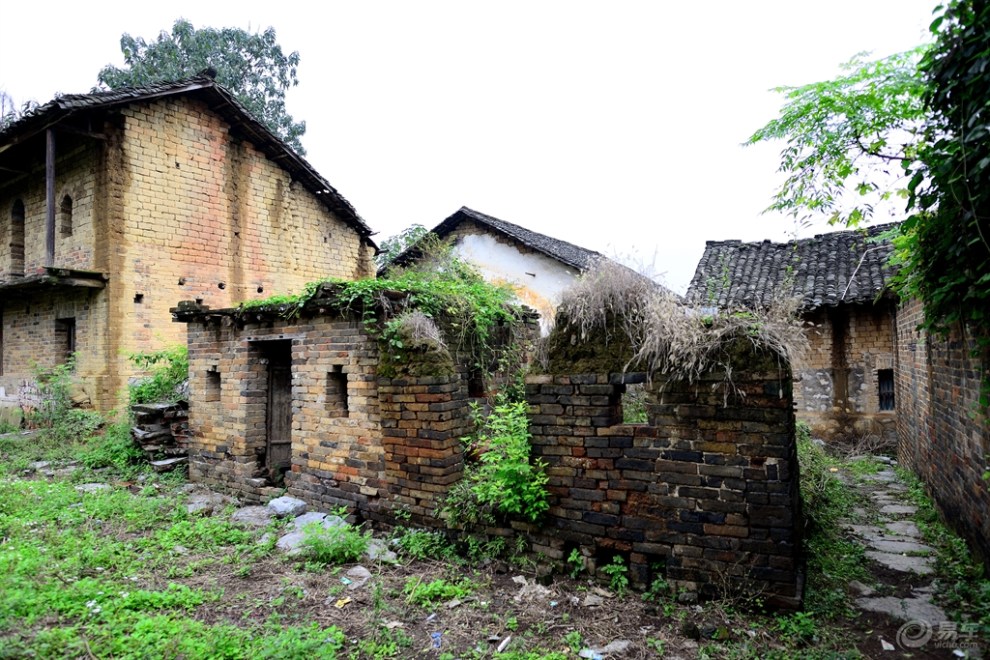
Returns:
(252, 66)
(395, 245)
(848, 139)
(922, 116)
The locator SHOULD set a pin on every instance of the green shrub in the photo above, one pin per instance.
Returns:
(506, 479)
(169, 368)
(424, 544)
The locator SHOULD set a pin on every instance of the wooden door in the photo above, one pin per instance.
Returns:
(278, 423)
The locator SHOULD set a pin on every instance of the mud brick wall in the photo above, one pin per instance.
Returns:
(943, 434)
(423, 420)
(708, 489)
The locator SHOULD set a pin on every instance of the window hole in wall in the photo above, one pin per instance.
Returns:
(632, 400)
(65, 332)
(337, 392)
(139, 298)
(221, 285)
(65, 216)
(261, 289)
(17, 238)
(212, 393)
(885, 383)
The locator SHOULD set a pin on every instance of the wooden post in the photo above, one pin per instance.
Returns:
(50, 198)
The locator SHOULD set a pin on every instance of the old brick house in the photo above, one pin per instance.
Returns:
(114, 205)
(845, 383)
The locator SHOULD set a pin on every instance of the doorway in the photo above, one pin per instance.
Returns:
(278, 411)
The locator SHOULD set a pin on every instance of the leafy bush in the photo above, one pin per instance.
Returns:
(334, 545)
(504, 480)
(169, 368)
(55, 415)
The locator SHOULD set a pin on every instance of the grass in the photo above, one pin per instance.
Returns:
(128, 573)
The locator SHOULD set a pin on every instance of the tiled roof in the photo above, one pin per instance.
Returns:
(827, 270)
(575, 256)
(69, 106)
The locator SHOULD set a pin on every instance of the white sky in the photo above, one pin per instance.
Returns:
(613, 125)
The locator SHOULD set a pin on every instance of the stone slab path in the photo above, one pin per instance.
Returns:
(902, 566)
(885, 527)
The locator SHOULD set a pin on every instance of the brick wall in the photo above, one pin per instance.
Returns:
(423, 421)
(337, 455)
(34, 337)
(76, 168)
(837, 389)
(707, 489)
(943, 435)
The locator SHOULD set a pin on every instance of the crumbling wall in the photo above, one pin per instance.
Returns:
(707, 490)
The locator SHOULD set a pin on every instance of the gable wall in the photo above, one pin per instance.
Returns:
(538, 278)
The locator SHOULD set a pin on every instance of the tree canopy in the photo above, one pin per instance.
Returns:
(921, 120)
(251, 65)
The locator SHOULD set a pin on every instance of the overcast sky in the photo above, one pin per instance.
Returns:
(614, 125)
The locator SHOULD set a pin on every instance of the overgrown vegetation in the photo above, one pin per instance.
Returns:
(168, 370)
(438, 305)
(967, 586)
(339, 544)
(55, 414)
(833, 560)
(506, 478)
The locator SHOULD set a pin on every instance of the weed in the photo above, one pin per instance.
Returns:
(965, 585)
(334, 545)
(114, 448)
(424, 544)
(437, 591)
(799, 626)
(506, 478)
(574, 641)
(576, 561)
(618, 580)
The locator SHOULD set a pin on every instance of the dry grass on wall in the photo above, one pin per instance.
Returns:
(664, 335)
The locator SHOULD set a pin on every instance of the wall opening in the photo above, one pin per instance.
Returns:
(65, 216)
(212, 393)
(17, 238)
(65, 334)
(885, 383)
(337, 392)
